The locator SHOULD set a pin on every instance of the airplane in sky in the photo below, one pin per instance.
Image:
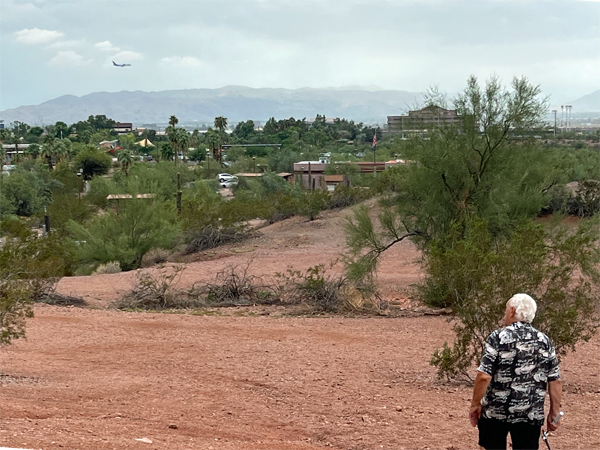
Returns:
(121, 65)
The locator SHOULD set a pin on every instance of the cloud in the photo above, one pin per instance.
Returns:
(106, 46)
(181, 61)
(37, 36)
(68, 58)
(127, 56)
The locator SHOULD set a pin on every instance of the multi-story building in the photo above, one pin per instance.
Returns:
(422, 120)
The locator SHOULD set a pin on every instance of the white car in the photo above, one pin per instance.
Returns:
(226, 180)
(223, 177)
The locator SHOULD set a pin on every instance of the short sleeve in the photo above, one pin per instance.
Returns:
(553, 366)
(489, 358)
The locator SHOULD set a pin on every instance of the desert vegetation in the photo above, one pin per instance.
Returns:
(470, 196)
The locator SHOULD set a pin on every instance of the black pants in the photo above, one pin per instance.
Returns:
(492, 435)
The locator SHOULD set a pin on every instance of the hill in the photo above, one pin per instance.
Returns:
(587, 103)
(234, 102)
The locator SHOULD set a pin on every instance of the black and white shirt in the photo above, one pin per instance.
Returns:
(521, 360)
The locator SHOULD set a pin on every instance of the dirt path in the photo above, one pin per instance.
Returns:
(251, 378)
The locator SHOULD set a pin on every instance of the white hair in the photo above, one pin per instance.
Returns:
(525, 307)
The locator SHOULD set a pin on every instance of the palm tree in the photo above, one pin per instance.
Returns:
(48, 150)
(221, 123)
(214, 142)
(183, 142)
(173, 121)
(125, 160)
(33, 151)
(173, 139)
(166, 152)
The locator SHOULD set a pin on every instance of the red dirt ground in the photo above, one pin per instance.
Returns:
(252, 378)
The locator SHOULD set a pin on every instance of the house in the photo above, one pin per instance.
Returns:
(123, 127)
(108, 145)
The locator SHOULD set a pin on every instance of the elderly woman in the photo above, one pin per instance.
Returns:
(518, 366)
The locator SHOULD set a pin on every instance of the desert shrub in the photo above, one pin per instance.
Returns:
(234, 285)
(30, 267)
(311, 203)
(100, 188)
(157, 290)
(344, 196)
(155, 256)
(109, 267)
(559, 200)
(586, 201)
(140, 225)
(26, 192)
(211, 236)
(15, 307)
(209, 221)
(557, 267)
(278, 206)
(323, 292)
(67, 207)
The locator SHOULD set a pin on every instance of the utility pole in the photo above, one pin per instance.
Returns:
(554, 111)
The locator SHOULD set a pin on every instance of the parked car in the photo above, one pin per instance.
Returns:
(223, 177)
(230, 183)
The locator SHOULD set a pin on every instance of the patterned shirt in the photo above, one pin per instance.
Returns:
(520, 360)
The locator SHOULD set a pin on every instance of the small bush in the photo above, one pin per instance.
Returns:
(344, 196)
(158, 291)
(235, 286)
(109, 267)
(322, 292)
(586, 201)
(211, 236)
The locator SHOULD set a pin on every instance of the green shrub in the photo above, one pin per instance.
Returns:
(311, 203)
(322, 292)
(140, 225)
(476, 279)
(344, 196)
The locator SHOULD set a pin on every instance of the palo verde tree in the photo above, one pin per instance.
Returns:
(477, 187)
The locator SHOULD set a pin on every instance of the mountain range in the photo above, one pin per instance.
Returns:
(237, 103)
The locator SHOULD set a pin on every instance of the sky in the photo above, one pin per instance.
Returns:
(50, 48)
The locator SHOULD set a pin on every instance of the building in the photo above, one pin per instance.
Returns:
(422, 120)
(123, 128)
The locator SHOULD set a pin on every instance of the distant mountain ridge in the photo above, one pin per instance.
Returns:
(587, 103)
(237, 103)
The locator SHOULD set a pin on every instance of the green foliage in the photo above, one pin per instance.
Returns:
(93, 162)
(209, 221)
(344, 196)
(321, 291)
(30, 266)
(311, 203)
(15, 308)
(26, 192)
(140, 225)
(586, 201)
(475, 275)
(65, 208)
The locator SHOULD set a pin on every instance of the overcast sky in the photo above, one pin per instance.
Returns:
(54, 47)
